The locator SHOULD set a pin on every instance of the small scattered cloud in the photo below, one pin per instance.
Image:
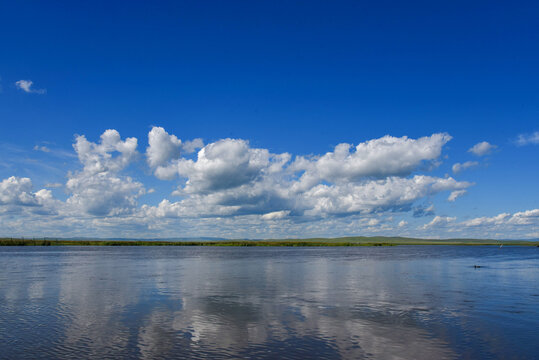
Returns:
(439, 221)
(26, 86)
(521, 218)
(276, 215)
(42, 148)
(458, 167)
(456, 194)
(54, 185)
(482, 148)
(402, 223)
(54, 151)
(480, 221)
(528, 139)
(423, 210)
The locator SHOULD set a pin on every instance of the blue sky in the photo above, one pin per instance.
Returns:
(270, 90)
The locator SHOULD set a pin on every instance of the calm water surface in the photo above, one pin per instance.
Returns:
(404, 302)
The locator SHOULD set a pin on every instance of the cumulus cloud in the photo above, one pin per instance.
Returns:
(252, 198)
(378, 158)
(191, 146)
(26, 86)
(482, 148)
(528, 139)
(268, 196)
(16, 196)
(98, 189)
(458, 167)
(222, 165)
(229, 185)
(164, 151)
(229, 178)
(103, 194)
(162, 147)
(17, 191)
(111, 154)
(393, 194)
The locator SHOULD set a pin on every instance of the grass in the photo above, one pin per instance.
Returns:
(344, 241)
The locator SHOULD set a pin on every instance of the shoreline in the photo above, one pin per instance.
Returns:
(330, 242)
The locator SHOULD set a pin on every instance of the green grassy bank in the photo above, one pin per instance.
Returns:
(344, 241)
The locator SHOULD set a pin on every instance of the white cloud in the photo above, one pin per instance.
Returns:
(16, 196)
(457, 167)
(163, 152)
(17, 191)
(26, 86)
(162, 147)
(251, 198)
(48, 204)
(103, 194)
(527, 139)
(496, 220)
(439, 221)
(527, 217)
(98, 158)
(518, 225)
(378, 158)
(230, 189)
(276, 215)
(222, 165)
(270, 196)
(42, 148)
(229, 178)
(482, 148)
(191, 146)
(423, 210)
(98, 189)
(456, 194)
(393, 194)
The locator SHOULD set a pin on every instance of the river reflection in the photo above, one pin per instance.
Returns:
(183, 302)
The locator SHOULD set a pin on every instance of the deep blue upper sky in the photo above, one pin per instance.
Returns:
(288, 76)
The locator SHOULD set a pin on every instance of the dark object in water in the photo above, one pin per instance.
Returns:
(477, 266)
